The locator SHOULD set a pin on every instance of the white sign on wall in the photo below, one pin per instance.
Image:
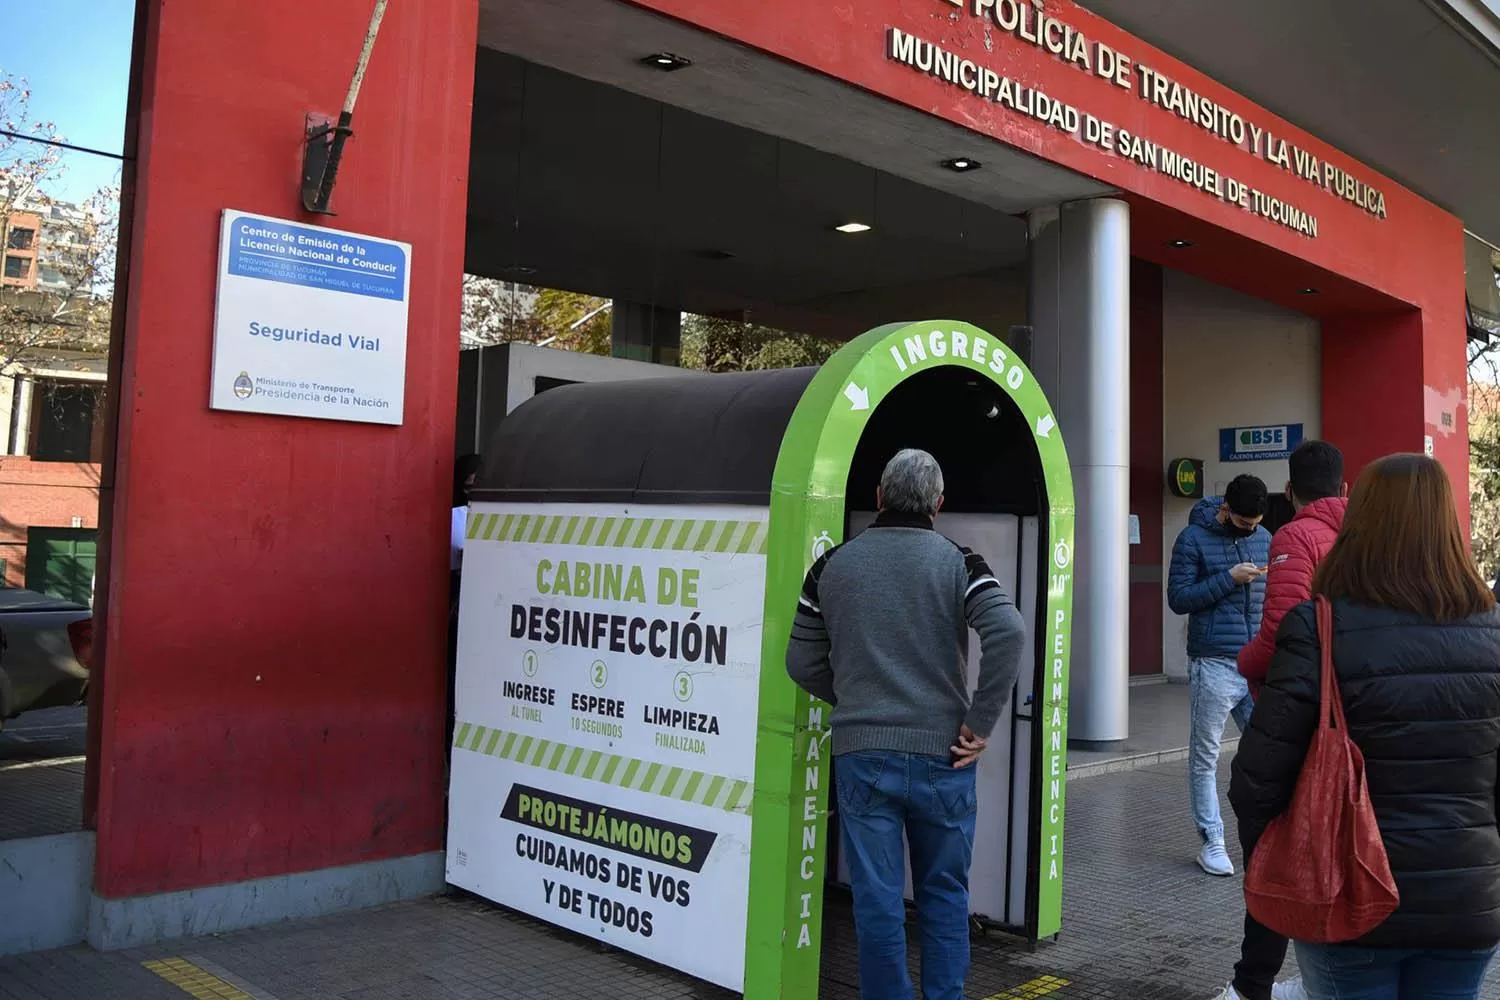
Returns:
(607, 694)
(309, 322)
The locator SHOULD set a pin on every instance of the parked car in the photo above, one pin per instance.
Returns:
(46, 646)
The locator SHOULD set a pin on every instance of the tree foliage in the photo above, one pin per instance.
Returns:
(1484, 455)
(499, 312)
(725, 345)
(75, 244)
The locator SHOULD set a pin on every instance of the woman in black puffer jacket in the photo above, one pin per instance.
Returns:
(1417, 654)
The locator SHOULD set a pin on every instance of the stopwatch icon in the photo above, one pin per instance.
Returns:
(821, 545)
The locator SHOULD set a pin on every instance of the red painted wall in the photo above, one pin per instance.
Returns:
(1361, 265)
(1148, 466)
(278, 588)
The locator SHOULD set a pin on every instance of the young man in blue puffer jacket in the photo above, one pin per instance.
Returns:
(1218, 579)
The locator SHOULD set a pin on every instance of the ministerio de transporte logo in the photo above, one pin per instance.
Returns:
(244, 386)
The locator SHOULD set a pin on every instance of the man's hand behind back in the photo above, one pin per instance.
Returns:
(968, 748)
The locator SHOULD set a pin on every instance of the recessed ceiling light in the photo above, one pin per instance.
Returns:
(853, 227)
(962, 164)
(1179, 244)
(711, 254)
(667, 62)
(518, 270)
(1307, 291)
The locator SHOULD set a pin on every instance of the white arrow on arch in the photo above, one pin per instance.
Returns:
(859, 398)
(1044, 425)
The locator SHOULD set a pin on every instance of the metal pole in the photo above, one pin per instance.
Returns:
(364, 56)
(342, 130)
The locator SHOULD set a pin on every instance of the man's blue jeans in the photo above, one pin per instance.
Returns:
(1215, 692)
(1344, 972)
(882, 794)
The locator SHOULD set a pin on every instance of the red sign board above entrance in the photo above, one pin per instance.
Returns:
(1370, 230)
(1031, 24)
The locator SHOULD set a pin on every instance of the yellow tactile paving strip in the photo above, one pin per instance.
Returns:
(1040, 987)
(195, 982)
(202, 985)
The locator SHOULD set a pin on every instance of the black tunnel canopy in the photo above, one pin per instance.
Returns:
(658, 440)
(716, 440)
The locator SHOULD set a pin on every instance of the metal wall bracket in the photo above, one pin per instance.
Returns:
(322, 150)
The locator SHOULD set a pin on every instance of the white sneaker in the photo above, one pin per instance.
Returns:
(1289, 990)
(1215, 860)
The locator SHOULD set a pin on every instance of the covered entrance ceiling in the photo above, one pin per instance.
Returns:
(713, 189)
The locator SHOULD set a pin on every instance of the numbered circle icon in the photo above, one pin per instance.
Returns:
(529, 663)
(682, 686)
(598, 674)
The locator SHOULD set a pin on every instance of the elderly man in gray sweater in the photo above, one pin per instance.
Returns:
(881, 633)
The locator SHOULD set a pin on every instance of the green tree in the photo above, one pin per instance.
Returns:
(499, 312)
(714, 344)
(63, 301)
(1484, 474)
(571, 321)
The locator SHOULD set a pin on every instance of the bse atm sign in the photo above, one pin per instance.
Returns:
(1258, 444)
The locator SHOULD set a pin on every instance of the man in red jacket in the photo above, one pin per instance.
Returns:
(1317, 491)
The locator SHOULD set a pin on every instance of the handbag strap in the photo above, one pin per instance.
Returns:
(1331, 713)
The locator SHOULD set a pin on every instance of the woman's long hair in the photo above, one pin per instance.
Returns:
(1401, 545)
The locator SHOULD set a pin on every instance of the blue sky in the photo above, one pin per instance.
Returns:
(76, 55)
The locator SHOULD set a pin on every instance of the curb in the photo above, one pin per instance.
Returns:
(1137, 762)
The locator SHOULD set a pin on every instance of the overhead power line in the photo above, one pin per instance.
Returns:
(58, 144)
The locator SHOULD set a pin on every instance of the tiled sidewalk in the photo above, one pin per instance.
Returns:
(41, 774)
(1141, 924)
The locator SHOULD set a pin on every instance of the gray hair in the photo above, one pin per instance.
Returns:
(912, 483)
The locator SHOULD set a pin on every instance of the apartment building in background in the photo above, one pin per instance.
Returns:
(51, 402)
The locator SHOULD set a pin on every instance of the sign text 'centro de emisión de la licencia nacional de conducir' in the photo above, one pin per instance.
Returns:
(1031, 24)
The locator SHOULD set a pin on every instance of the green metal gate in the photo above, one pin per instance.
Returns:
(60, 562)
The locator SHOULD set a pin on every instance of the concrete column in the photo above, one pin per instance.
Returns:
(1080, 352)
(20, 415)
(643, 332)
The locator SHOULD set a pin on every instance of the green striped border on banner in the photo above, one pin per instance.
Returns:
(663, 533)
(712, 790)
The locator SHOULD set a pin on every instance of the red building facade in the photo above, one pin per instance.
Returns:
(271, 673)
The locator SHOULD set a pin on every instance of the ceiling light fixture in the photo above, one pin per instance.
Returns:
(667, 62)
(1179, 244)
(853, 227)
(1307, 291)
(962, 164)
(712, 254)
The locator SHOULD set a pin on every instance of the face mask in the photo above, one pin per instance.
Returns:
(1237, 531)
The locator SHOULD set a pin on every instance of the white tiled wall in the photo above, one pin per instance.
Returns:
(1230, 361)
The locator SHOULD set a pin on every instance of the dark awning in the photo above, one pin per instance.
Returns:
(659, 440)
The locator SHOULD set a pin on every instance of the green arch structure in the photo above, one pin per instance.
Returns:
(788, 853)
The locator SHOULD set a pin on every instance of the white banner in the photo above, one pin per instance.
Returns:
(607, 692)
(309, 322)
